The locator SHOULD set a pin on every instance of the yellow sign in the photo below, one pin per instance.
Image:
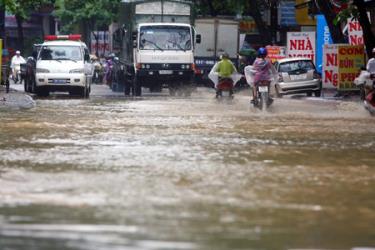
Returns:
(302, 14)
(1, 57)
(350, 59)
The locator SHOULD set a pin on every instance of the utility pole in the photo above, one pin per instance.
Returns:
(274, 21)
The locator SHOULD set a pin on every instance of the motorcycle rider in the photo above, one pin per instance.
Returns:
(370, 96)
(371, 63)
(225, 68)
(264, 71)
(15, 65)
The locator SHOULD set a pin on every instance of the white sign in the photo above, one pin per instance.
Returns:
(301, 44)
(355, 32)
(330, 72)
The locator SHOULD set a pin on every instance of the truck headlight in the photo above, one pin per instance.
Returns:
(77, 71)
(40, 70)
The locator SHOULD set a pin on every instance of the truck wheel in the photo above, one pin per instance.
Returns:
(42, 92)
(137, 88)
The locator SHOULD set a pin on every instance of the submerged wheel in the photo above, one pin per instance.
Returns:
(278, 92)
(318, 93)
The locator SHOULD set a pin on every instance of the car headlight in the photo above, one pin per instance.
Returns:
(77, 71)
(40, 70)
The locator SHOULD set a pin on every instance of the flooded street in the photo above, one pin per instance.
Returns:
(116, 173)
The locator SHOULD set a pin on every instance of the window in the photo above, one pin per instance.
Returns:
(61, 53)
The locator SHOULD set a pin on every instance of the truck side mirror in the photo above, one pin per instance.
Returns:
(198, 38)
(134, 37)
(34, 54)
(87, 57)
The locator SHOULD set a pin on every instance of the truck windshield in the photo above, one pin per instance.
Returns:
(165, 38)
(61, 53)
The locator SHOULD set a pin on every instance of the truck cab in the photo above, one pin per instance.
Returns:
(163, 56)
(63, 64)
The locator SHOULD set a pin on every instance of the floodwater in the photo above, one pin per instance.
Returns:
(164, 173)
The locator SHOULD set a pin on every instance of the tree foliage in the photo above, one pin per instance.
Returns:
(92, 13)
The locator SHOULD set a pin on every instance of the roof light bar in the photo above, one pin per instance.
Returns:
(74, 37)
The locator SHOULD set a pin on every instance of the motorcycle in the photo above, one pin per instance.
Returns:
(366, 84)
(16, 73)
(263, 99)
(224, 85)
(98, 72)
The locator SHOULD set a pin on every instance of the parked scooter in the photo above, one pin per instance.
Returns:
(98, 72)
(366, 84)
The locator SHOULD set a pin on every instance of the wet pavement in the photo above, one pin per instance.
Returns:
(160, 172)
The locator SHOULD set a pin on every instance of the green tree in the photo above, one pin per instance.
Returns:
(90, 15)
(357, 9)
(22, 10)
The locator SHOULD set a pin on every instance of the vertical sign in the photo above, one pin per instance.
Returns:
(355, 32)
(301, 44)
(330, 74)
(350, 59)
(321, 40)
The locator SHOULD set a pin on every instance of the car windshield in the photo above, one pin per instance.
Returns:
(302, 65)
(165, 38)
(61, 53)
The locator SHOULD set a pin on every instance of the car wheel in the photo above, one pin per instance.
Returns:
(278, 92)
(318, 93)
(309, 94)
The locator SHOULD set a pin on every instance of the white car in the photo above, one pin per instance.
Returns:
(63, 64)
(297, 75)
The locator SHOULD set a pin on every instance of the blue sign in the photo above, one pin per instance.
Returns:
(323, 37)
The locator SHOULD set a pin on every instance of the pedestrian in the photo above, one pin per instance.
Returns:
(15, 65)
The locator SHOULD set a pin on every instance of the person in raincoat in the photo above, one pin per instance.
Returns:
(225, 69)
(263, 71)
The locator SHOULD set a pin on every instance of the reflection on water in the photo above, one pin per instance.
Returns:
(170, 173)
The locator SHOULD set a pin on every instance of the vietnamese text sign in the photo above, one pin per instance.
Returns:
(355, 32)
(350, 59)
(330, 74)
(275, 53)
(301, 44)
(341, 65)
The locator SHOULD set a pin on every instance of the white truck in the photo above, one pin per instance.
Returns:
(218, 35)
(156, 41)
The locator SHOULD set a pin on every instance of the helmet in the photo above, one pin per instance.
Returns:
(225, 55)
(373, 50)
(262, 52)
(18, 52)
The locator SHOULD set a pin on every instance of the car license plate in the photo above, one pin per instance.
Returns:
(298, 77)
(165, 72)
(263, 89)
(59, 81)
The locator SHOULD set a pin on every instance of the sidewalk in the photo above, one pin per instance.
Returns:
(15, 99)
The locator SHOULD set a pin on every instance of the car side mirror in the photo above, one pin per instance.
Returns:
(87, 57)
(198, 38)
